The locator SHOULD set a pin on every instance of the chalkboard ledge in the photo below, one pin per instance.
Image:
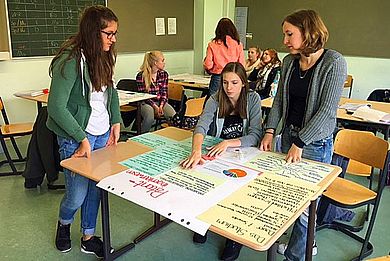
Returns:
(4, 56)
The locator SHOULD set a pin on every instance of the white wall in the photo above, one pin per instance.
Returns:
(32, 73)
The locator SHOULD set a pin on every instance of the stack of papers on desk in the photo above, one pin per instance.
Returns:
(368, 114)
(352, 107)
(32, 93)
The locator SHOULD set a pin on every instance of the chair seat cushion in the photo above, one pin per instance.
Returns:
(348, 192)
(16, 129)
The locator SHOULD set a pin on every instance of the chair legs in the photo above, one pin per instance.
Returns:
(9, 160)
(367, 248)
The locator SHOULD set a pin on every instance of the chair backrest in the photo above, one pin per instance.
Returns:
(127, 85)
(194, 107)
(348, 83)
(362, 146)
(380, 95)
(3, 113)
(175, 91)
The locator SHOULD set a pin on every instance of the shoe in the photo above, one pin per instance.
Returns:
(94, 245)
(231, 251)
(282, 248)
(198, 238)
(63, 242)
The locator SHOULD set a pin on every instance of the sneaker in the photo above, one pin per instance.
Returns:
(282, 248)
(231, 251)
(94, 245)
(63, 242)
(198, 238)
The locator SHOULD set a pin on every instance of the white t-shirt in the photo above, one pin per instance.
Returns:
(99, 122)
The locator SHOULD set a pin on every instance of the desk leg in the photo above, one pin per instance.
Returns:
(39, 105)
(271, 253)
(310, 230)
(158, 224)
(106, 231)
(138, 118)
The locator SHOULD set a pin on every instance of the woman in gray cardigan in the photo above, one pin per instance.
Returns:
(309, 91)
(233, 114)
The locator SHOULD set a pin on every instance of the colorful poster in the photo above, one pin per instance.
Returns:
(153, 140)
(180, 194)
(261, 208)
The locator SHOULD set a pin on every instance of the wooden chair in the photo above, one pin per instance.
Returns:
(194, 108)
(11, 131)
(175, 98)
(348, 84)
(364, 147)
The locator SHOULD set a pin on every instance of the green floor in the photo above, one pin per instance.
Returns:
(28, 221)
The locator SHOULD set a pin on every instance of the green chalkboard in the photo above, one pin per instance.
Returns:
(39, 27)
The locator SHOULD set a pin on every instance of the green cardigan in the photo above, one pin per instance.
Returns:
(68, 106)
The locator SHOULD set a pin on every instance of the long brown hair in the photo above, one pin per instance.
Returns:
(226, 27)
(88, 41)
(274, 56)
(146, 68)
(225, 105)
(313, 30)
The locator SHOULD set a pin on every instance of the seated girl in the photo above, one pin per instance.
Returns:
(154, 80)
(233, 114)
(263, 76)
(253, 60)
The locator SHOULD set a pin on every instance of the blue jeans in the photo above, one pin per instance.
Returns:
(321, 151)
(215, 83)
(80, 191)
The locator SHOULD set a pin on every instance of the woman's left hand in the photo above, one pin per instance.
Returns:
(114, 134)
(218, 149)
(294, 154)
(160, 111)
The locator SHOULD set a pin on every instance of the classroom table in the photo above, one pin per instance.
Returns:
(344, 117)
(104, 162)
(124, 98)
(192, 82)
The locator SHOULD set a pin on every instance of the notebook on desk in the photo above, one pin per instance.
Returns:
(368, 114)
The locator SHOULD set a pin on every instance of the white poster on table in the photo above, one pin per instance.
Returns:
(180, 194)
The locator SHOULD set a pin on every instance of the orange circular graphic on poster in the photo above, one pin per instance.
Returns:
(235, 173)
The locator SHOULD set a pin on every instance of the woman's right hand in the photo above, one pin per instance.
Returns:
(84, 149)
(266, 142)
(194, 159)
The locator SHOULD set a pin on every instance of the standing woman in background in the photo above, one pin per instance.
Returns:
(264, 75)
(224, 48)
(309, 91)
(83, 110)
(254, 54)
(154, 80)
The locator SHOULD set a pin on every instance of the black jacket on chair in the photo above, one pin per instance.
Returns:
(42, 154)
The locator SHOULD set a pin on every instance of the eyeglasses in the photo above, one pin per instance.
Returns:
(109, 35)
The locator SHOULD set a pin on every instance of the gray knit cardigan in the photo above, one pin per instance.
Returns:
(323, 97)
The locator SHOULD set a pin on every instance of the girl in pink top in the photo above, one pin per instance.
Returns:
(224, 48)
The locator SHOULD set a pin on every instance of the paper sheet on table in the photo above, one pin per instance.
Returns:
(274, 163)
(153, 140)
(179, 194)
(259, 209)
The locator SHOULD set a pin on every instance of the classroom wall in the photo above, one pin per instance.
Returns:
(24, 74)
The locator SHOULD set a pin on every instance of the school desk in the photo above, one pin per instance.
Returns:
(104, 162)
(124, 99)
(192, 82)
(344, 117)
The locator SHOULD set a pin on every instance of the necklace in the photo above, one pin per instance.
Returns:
(304, 74)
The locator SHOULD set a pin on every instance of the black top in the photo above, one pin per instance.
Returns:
(298, 85)
(232, 127)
